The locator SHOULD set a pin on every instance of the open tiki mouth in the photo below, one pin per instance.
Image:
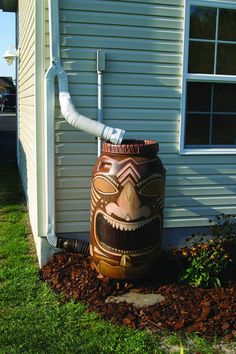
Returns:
(131, 237)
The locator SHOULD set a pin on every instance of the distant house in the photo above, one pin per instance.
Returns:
(170, 75)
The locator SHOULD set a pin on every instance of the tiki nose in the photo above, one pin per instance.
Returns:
(128, 200)
(128, 205)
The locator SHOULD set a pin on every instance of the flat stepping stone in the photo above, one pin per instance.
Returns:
(137, 299)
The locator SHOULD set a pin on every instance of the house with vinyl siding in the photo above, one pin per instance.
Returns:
(170, 75)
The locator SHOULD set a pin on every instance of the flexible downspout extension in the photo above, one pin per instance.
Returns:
(79, 121)
(75, 118)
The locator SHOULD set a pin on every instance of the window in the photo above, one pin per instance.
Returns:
(209, 86)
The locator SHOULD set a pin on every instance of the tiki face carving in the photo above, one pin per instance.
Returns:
(126, 208)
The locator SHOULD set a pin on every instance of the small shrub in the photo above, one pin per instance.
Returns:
(208, 258)
(206, 261)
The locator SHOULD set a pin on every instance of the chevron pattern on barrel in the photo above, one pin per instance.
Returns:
(129, 173)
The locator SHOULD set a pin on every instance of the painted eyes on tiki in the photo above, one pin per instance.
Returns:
(153, 187)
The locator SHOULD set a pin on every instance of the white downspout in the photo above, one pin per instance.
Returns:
(49, 100)
(69, 112)
(100, 70)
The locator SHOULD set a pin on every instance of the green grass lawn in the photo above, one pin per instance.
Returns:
(32, 317)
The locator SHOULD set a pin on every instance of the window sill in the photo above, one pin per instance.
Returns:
(204, 151)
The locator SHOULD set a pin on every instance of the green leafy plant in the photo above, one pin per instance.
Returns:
(208, 256)
(206, 261)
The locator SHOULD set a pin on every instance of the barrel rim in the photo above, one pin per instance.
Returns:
(132, 147)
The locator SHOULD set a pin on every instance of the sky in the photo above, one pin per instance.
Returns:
(7, 38)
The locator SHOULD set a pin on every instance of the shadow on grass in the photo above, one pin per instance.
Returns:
(11, 191)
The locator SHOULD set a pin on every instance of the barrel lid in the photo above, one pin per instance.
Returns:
(132, 147)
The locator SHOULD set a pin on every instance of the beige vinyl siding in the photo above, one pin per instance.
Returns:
(26, 108)
(142, 94)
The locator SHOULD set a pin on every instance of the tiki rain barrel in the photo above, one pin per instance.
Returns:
(127, 200)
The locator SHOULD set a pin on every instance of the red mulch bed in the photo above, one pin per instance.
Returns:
(208, 312)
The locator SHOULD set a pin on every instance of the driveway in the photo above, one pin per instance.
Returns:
(7, 136)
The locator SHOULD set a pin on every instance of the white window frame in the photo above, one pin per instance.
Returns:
(211, 78)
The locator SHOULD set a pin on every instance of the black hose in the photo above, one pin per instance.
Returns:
(71, 245)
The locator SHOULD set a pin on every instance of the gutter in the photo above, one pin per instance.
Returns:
(75, 118)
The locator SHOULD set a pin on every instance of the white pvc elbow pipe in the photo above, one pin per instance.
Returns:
(79, 121)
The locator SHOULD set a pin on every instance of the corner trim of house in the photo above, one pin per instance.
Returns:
(39, 109)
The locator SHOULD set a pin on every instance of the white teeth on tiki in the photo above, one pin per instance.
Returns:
(127, 226)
